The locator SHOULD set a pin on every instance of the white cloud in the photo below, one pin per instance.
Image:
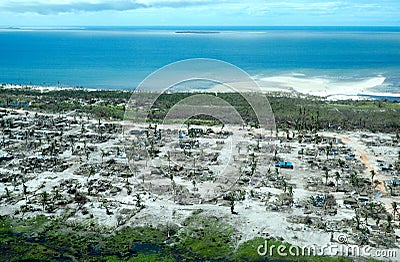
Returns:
(201, 12)
(51, 7)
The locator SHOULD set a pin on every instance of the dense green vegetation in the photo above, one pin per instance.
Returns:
(98, 104)
(291, 111)
(200, 239)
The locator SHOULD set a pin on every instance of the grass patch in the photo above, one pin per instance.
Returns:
(201, 238)
(207, 237)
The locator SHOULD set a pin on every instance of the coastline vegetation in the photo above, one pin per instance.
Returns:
(200, 239)
(291, 111)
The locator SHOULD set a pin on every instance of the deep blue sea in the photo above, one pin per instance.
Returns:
(119, 58)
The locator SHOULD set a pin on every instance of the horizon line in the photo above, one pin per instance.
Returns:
(215, 27)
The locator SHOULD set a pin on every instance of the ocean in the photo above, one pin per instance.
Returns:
(121, 57)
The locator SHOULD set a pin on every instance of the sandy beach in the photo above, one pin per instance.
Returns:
(331, 89)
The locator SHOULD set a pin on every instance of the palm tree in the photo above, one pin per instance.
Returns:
(82, 129)
(326, 177)
(253, 167)
(169, 161)
(253, 157)
(174, 189)
(301, 152)
(232, 204)
(377, 220)
(356, 219)
(57, 195)
(268, 172)
(284, 184)
(194, 163)
(366, 218)
(72, 143)
(376, 183)
(337, 177)
(372, 175)
(391, 190)
(327, 152)
(341, 162)
(103, 154)
(136, 170)
(25, 191)
(290, 191)
(389, 223)
(354, 179)
(7, 192)
(395, 209)
(371, 207)
(91, 172)
(138, 201)
(44, 197)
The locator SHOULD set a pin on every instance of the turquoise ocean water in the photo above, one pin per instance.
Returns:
(119, 58)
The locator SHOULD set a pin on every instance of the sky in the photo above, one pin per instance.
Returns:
(47, 13)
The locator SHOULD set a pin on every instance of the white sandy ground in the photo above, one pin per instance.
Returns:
(253, 219)
(331, 89)
(322, 86)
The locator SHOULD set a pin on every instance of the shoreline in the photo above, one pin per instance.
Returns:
(331, 94)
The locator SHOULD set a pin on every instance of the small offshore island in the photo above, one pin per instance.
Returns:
(68, 191)
(197, 32)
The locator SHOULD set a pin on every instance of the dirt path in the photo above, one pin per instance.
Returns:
(365, 159)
